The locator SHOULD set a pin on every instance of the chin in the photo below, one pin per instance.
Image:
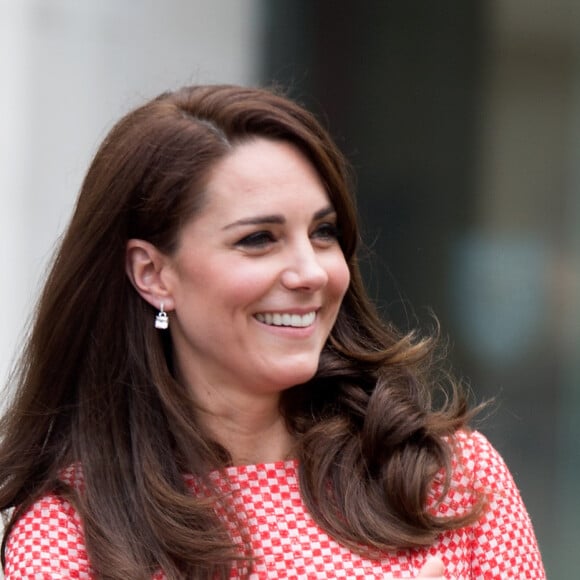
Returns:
(290, 376)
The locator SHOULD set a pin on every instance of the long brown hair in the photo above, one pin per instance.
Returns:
(95, 385)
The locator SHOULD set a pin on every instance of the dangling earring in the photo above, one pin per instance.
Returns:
(161, 320)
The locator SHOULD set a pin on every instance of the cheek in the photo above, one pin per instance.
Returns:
(231, 284)
(339, 277)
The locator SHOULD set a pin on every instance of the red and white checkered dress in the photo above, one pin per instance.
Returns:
(48, 542)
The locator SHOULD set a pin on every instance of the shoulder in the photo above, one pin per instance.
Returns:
(476, 458)
(472, 448)
(477, 461)
(503, 542)
(477, 472)
(47, 539)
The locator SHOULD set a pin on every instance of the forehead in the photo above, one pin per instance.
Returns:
(262, 171)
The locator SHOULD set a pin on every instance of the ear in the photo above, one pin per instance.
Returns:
(144, 265)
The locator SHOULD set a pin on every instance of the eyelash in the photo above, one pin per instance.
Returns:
(260, 239)
(328, 231)
(257, 240)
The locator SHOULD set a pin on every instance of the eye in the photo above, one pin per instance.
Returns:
(326, 232)
(256, 240)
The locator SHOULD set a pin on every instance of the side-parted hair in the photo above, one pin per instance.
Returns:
(95, 386)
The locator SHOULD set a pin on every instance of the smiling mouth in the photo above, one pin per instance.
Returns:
(292, 320)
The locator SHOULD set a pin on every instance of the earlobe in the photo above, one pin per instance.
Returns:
(144, 265)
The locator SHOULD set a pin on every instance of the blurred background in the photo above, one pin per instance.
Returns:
(462, 121)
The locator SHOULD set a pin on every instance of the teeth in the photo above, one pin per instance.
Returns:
(294, 320)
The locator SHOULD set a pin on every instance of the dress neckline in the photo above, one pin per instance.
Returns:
(282, 466)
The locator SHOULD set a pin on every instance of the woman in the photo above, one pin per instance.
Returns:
(207, 391)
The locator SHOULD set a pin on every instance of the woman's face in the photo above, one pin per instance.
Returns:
(258, 277)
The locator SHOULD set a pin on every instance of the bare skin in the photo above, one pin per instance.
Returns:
(433, 568)
(249, 427)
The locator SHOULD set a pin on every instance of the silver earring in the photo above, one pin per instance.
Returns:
(161, 320)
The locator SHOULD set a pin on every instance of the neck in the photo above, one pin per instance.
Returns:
(252, 441)
(249, 425)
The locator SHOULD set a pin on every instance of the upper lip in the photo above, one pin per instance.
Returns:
(301, 310)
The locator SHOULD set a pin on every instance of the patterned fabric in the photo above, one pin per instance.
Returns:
(47, 542)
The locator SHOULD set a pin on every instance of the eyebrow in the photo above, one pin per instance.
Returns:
(276, 218)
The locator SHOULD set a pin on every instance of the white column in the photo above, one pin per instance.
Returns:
(68, 70)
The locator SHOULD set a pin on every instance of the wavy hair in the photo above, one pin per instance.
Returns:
(95, 385)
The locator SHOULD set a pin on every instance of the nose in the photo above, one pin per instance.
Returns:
(305, 270)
